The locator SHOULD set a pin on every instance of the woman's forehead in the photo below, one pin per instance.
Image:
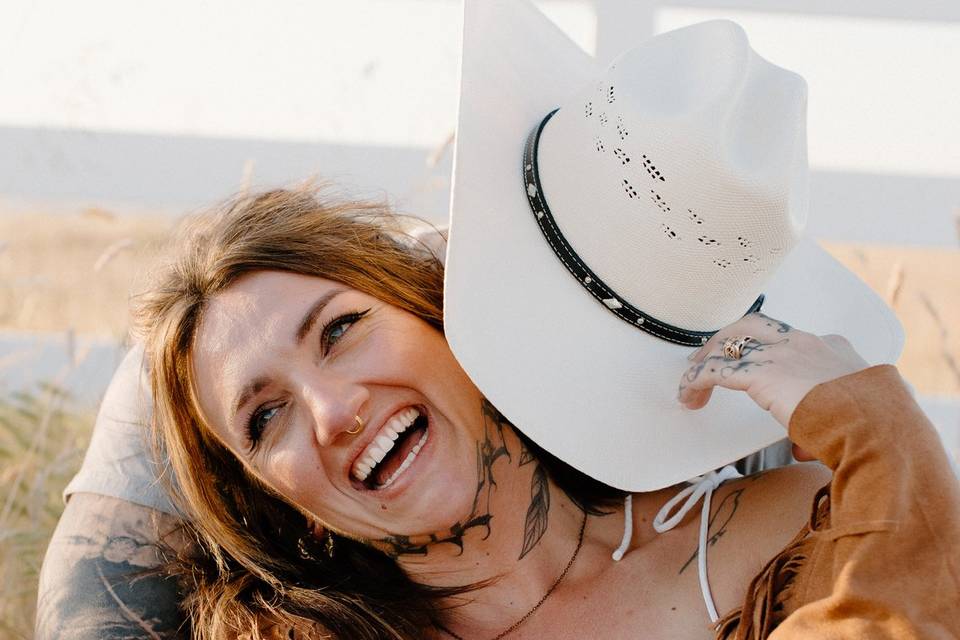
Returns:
(259, 306)
(248, 326)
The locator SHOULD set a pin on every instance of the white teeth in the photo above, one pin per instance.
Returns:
(385, 440)
(407, 461)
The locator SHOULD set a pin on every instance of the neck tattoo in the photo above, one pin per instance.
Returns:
(563, 574)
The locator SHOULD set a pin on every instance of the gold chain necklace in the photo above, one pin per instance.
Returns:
(516, 625)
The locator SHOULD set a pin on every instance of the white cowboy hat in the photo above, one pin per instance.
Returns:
(664, 196)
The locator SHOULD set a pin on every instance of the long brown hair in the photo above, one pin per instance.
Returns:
(255, 562)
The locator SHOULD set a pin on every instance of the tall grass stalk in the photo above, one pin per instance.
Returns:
(42, 441)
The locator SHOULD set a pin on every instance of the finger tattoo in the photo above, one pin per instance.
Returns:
(782, 327)
(756, 345)
(741, 365)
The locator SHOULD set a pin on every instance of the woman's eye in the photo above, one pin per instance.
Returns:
(334, 330)
(258, 424)
(337, 331)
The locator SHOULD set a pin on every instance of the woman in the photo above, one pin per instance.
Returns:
(292, 339)
(344, 475)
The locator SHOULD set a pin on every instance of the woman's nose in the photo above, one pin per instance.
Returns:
(334, 404)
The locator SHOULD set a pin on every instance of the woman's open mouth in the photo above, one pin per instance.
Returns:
(393, 450)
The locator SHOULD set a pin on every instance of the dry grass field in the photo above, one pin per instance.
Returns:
(76, 272)
(60, 272)
(923, 287)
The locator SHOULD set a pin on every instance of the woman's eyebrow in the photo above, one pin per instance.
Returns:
(249, 390)
(310, 318)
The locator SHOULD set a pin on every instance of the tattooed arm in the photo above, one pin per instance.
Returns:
(90, 587)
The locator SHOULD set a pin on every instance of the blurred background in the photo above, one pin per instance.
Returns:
(118, 117)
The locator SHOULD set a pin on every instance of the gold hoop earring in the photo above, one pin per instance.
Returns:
(329, 544)
(358, 428)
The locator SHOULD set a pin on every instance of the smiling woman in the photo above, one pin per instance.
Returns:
(344, 477)
(336, 434)
(329, 398)
(333, 457)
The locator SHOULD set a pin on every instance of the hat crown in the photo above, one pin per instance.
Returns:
(686, 159)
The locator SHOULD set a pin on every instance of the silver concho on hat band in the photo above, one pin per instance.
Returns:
(589, 280)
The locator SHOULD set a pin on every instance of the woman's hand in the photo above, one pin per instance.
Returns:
(777, 367)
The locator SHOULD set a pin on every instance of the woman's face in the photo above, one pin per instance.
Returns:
(285, 362)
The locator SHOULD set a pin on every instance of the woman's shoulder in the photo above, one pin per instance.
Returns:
(778, 489)
(753, 519)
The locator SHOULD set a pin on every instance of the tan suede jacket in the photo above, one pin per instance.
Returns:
(880, 557)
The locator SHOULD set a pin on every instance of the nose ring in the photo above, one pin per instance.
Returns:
(358, 428)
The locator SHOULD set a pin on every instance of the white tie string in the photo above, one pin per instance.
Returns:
(627, 528)
(701, 487)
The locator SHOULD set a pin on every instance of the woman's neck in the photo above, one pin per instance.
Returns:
(528, 536)
(518, 538)
(521, 519)
(521, 533)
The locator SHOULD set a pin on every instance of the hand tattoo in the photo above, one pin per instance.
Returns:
(782, 327)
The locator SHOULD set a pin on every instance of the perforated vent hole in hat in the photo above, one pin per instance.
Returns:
(669, 232)
(588, 109)
(621, 155)
(611, 96)
(603, 119)
(651, 169)
(631, 192)
(599, 144)
(621, 130)
(694, 217)
(744, 242)
(659, 201)
(722, 263)
(710, 242)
